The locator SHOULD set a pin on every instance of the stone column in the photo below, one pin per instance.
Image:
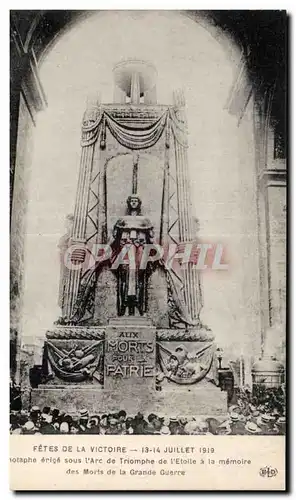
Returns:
(260, 134)
(271, 217)
(191, 279)
(78, 236)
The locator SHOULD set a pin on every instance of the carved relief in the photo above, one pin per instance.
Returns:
(186, 363)
(75, 361)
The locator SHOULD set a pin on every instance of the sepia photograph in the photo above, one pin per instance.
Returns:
(148, 246)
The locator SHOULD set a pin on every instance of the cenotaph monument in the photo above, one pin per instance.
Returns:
(130, 334)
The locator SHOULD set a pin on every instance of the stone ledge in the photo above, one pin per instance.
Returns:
(192, 335)
(98, 333)
(76, 332)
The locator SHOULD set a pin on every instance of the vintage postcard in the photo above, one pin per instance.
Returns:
(148, 250)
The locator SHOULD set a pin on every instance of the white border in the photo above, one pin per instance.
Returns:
(4, 179)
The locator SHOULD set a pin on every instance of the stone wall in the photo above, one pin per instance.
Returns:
(18, 218)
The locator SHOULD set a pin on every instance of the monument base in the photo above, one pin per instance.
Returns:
(203, 399)
(130, 365)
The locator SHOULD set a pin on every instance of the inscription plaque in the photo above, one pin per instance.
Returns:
(130, 357)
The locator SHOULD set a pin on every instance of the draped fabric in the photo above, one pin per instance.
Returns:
(130, 136)
(134, 138)
(178, 310)
(90, 131)
(85, 302)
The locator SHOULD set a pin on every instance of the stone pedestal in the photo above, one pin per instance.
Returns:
(133, 353)
(204, 399)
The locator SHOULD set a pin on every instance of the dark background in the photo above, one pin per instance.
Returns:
(262, 34)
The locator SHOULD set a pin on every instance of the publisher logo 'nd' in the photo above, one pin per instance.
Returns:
(268, 471)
